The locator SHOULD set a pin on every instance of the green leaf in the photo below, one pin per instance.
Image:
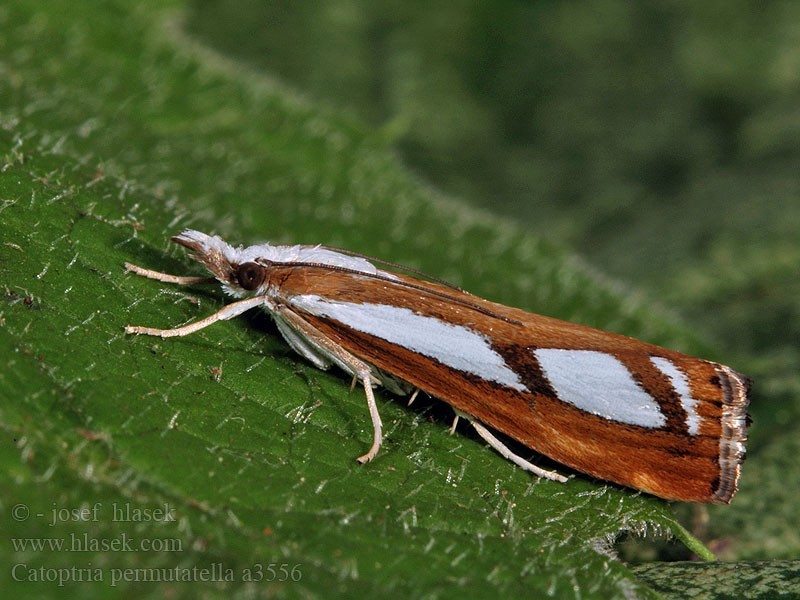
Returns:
(753, 580)
(252, 449)
(249, 447)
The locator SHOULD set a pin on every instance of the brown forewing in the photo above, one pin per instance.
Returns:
(667, 462)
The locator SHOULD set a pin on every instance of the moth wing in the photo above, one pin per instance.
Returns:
(601, 403)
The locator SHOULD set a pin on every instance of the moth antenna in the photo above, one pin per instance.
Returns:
(408, 284)
(397, 266)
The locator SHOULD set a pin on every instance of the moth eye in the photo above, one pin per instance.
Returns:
(250, 275)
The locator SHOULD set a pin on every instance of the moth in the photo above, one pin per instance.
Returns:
(603, 404)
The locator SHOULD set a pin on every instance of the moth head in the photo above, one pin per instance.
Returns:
(218, 256)
(238, 269)
(231, 266)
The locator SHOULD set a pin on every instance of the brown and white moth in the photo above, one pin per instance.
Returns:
(604, 404)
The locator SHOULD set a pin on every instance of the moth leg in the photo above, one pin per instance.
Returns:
(455, 422)
(413, 397)
(377, 426)
(227, 312)
(508, 454)
(166, 277)
(360, 370)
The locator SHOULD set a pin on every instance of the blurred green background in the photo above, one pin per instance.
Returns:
(630, 165)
